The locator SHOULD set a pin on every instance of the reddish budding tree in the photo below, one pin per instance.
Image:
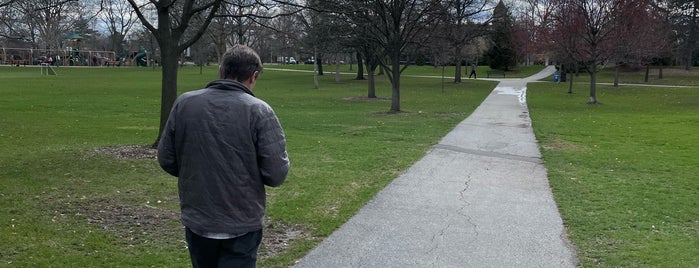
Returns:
(584, 31)
(533, 30)
(593, 32)
(523, 37)
(643, 34)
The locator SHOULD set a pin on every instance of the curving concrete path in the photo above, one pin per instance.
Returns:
(479, 198)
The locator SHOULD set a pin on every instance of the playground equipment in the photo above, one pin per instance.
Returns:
(75, 57)
(140, 57)
(70, 55)
(62, 57)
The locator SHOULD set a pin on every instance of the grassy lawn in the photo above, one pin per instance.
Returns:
(671, 76)
(64, 202)
(624, 174)
(423, 70)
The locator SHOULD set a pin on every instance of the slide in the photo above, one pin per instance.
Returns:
(141, 57)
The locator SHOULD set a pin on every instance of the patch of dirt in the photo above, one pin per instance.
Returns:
(129, 151)
(393, 113)
(560, 145)
(358, 99)
(278, 235)
(134, 224)
(149, 224)
(140, 224)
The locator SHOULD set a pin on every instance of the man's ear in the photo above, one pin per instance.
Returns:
(250, 82)
(254, 76)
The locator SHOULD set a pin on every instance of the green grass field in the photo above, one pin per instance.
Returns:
(64, 204)
(422, 70)
(624, 173)
(671, 76)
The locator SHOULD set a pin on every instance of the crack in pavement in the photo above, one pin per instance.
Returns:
(460, 212)
(462, 198)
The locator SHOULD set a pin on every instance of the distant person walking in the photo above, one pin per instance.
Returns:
(473, 71)
(224, 145)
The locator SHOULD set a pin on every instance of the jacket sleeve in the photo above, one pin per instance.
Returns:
(272, 157)
(167, 156)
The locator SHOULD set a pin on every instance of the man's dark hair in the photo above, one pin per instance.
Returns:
(239, 63)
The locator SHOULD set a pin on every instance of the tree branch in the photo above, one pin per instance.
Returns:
(143, 19)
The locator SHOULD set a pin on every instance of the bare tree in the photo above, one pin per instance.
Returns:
(685, 19)
(238, 22)
(320, 27)
(645, 26)
(287, 30)
(118, 18)
(533, 30)
(391, 29)
(592, 32)
(173, 22)
(9, 28)
(6, 2)
(586, 27)
(461, 28)
(46, 21)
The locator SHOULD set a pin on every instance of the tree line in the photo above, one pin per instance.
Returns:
(386, 35)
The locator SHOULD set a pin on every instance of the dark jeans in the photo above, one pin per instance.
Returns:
(235, 252)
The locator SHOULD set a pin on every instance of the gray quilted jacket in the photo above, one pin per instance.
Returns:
(224, 145)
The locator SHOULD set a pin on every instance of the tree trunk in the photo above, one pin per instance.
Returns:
(170, 47)
(360, 67)
(645, 78)
(372, 80)
(337, 72)
(458, 58)
(593, 84)
(395, 81)
(616, 76)
(315, 69)
(371, 70)
(169, 85)
(570, 85)
(319, 63)
(691, 43)
(457, 72)
(660, 71)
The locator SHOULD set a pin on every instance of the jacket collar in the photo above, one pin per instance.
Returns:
(226, 84)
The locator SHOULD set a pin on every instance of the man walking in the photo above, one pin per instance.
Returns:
(224, 145)
(473, 71)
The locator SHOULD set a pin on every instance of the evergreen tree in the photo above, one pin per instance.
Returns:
(502, 54)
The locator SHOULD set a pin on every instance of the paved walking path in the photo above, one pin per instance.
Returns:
(479, 198)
